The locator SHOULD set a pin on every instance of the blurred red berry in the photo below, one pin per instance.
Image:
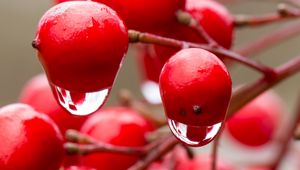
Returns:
(118, 126)
(29, 140)
(37, 93)
(256, 123)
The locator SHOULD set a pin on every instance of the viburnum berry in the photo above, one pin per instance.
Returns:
(118, 126)
(146, 15)
(81, 45)
(213, 17)
(195, 87)
(256, 123)
(37, 93)
(29, 140)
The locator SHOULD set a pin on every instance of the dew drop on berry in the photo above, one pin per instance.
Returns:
(150, 90)
(194, 135)
(80, 103)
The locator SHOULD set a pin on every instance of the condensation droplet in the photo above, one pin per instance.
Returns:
(194, 135)
(78, 103)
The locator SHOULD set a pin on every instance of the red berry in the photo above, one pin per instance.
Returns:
(37, 93)
(212, 16)
(81, 45)
(195, 89)
(78, 168)
(117, 126)
(29, 140)
(203, 162)
(256, 123)
(144, 15)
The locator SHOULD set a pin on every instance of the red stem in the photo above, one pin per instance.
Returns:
(246, 93)
(135, 36)
(155, 154)
(283, 12)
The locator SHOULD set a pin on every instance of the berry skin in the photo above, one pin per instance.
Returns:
(256, 123)
(29, 140)
(81, 45)
(37, 93)
(78, 168)
(212, 16)
(195, 88)
(144, 15)
(118, 126)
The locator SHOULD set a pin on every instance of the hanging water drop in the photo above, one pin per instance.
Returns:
(80, 103)
(194, 135)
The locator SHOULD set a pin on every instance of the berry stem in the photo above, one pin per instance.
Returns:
(283, 12)
(272, 38)
(82, 144)
(135, 36)
(287, 137)
(188, 20)
(246, 93)
(84, 149)
(215, 152)
(126, 99)
(167, 145)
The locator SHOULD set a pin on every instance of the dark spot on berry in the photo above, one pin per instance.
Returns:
(197, 109)
(182, 112)
(34, 44)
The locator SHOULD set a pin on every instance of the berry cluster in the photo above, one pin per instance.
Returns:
(81, 46)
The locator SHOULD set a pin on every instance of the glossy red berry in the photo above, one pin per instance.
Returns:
(195, 89)
(37, 93)
(256, 123)
(29, 140)
(81, 45)
(212, 16)
(144, 15)
(118, 126)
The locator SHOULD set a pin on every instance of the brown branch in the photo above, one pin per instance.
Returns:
(215, 153)
(246, 93)
(85, 149)
(283, 12)
(135, 36)
(155, 154)
(126, 99)
(187, 19)
(270, 39)
(287, 137)
(297, 133)
(86, 145)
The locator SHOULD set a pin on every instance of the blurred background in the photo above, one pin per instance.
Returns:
(18, 61)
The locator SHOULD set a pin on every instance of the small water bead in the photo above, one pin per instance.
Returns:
(150, 90)
(194, 135)
(79, 103)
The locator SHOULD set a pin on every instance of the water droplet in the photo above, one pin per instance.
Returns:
(194, 135)
(150, 90)
(78, 103)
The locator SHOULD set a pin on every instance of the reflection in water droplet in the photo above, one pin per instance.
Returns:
(150, 90)
(78, 103)
(194, 135)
